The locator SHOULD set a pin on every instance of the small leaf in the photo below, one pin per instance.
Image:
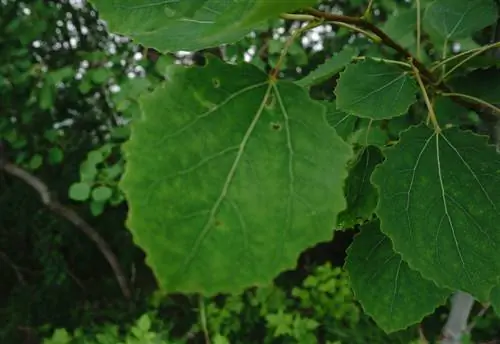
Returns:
(344, 124)
(439, 203)
(55, 155)
(102, 193)
(95, 157)
(361, 195)
(79, 191)
(97, 208)
(144, 323)
(191, 208)
(375, 90)
(482, 84)
(331, 67)
(401, 27)
(35, 162)
(88, 171)
(453, 19)
(389, 291)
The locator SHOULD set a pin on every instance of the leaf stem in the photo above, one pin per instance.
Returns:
(378, 59)
(495, 109)
(298, 17)
(468, 58)
(367, 13)
(298, 32)
(432, 114)
(370, 35)
(419, 33)
(203, 319)
(476, 51)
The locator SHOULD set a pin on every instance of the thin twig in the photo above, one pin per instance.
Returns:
(70, 215)
(474, 52)
(495, 109)
(203, 319)
(14, 267)
(369, 35)
(480, 314)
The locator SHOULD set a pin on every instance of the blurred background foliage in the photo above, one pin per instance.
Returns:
(68, 90)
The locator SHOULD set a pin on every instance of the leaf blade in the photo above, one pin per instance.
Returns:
(372, 262)
(453, 19)
(369, 85)
(448, 232)
(244, 141)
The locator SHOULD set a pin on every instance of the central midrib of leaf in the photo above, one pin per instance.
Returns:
(229, 178)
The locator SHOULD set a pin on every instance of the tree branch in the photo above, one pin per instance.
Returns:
(422, 69)
(70, 215)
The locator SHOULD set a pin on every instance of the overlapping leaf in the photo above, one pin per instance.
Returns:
(375, 90)
(331, 67)
(230, 177)
(361, 195)
(495, 299)
(439, 203)
(482, 84)
(392, 293)
(401, 27)
(173, 25)
(453, 19)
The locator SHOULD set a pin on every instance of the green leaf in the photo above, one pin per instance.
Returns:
(190, 25)
(375, 90)
(361, 195)
(389, 291)
(246, 174)
(55, 155)
(401, 27)
(439, 204)
(331, 67)
(95, 157)
(344, 124)
(35, 162)
(88, 171)
(495, 299)
(102, 193)
(453, 19)
(97, 208)
(482, 84)
(79, 191)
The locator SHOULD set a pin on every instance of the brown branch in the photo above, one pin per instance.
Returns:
(14, 267)
(70, 215)
(422, 69)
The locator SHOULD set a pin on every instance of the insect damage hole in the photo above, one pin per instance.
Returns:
(276, 126)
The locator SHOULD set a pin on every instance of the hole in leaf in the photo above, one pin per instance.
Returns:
(276, 126)
(270, 101)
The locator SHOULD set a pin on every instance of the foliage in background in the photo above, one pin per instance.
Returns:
(70, 90)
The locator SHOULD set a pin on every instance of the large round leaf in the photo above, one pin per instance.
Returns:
(173, 25)
(230, 177)
(392, 293)
(439, 203)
